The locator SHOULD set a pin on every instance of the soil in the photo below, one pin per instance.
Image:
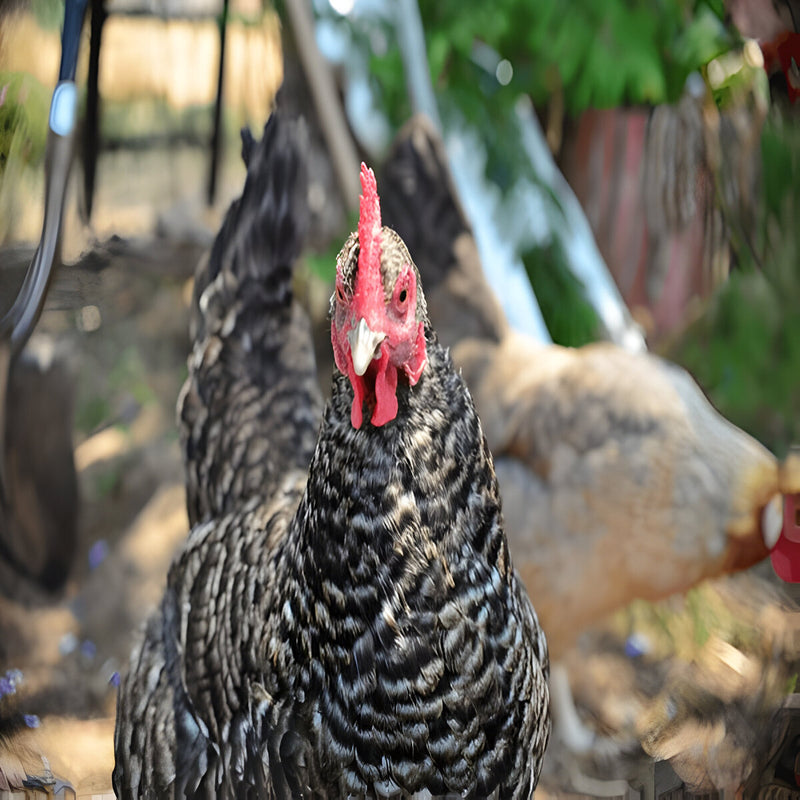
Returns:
(126, 375)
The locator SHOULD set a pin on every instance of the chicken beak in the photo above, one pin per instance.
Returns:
(364, 346)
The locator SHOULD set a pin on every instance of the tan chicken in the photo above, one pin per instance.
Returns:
(619, 480)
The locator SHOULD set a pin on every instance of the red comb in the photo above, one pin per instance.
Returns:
(368, 276)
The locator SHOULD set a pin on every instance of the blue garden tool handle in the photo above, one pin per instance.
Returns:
(21, 318)
(18, 323)
(70, 38)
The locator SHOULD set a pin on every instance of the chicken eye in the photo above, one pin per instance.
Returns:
(340, 294)
(402, 292)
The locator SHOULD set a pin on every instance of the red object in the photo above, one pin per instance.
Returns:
(783, 53)
(785, 555)
(603, 159)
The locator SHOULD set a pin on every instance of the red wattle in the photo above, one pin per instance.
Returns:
(785, 556)
(385, 376)
(385, 391)
(359, 390)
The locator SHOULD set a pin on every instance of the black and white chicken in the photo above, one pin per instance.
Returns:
(344, 619)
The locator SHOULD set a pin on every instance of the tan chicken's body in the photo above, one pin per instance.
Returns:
(619, 479)
(624, 477)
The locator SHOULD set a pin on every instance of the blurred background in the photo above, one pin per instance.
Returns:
(631, 171)
(673, 125)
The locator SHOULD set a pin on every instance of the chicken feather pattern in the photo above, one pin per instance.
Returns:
(344, 619)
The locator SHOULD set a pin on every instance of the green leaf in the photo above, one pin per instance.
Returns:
(569, 317)
(23, 119)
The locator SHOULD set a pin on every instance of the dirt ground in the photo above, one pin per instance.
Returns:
(127, 375)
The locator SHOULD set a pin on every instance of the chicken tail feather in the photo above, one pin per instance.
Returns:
(252, 365)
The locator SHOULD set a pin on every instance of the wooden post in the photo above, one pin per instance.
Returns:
(216, 135)
(91, 135)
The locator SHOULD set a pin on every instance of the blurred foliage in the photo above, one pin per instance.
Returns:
(569, 317)
(740, 82)
(599, 53)
(24, 106)
(49, 14)
(484, 58)
(595, 53)
(127, 389)
(682, 625)
(323, 264)
(745, 351)
(129, 376)
(91, 414)
(108, 481)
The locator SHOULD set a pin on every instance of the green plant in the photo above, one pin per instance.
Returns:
(91, 414)
(24, 105)
(129, 375)
(599, 53)
(49, 14)
(569, 317)
(745, 350)
(323, 264)
(591, 53)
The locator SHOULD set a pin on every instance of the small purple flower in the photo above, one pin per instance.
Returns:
(97, 553)
(88, 649)
(636, 645)
(67, 643)
(114, 679)
(9, 682)
(32, 721)
(15, 676)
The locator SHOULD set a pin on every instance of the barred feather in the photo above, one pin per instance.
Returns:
(348, 627)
